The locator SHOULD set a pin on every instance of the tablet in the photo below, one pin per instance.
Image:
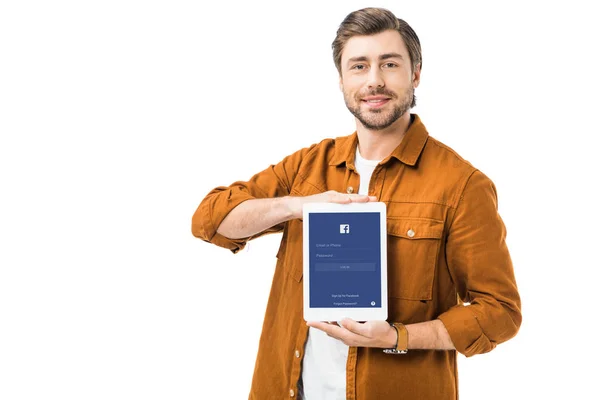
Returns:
(345, 261)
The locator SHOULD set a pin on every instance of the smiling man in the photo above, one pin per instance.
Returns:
(451, 281)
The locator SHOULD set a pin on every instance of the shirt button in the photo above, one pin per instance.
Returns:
(291, 392)
(410, 233)
(350, 189)
(297, 354)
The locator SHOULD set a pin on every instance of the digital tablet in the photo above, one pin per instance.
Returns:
(345, 261)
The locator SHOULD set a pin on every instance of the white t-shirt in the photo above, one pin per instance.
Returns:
(324, 363)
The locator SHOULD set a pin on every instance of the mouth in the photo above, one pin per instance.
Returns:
(375, 101)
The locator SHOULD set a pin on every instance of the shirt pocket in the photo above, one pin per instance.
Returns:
(291, 250)
(413, 246)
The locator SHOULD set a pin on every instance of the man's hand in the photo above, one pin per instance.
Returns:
(367, 334)
(295, 203)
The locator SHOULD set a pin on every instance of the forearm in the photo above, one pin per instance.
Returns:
(254, 216)
(430, 335)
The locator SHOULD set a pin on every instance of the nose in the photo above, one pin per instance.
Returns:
(375, 78)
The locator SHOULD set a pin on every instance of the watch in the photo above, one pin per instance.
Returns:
(401, 342)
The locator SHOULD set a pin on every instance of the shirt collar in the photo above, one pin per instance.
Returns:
(408, 151)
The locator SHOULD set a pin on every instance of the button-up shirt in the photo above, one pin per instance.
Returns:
(447, 259)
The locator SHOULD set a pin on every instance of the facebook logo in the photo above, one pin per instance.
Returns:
(344, 228)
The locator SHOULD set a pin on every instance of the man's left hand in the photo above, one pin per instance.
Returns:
(360, 334)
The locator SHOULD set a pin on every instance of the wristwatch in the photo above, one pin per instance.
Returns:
(401, 342)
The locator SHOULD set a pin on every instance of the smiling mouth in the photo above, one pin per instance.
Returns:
(375, 103)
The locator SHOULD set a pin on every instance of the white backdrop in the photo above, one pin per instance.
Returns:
(117, 117)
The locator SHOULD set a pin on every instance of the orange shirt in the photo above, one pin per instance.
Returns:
(454, 254)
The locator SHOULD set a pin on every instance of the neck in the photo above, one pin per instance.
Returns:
(378, 144)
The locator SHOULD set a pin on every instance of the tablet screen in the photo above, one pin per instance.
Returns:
(345, 260)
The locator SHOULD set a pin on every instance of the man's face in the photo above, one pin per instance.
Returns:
(377, 80)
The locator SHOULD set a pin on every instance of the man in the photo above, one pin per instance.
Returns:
(446, 240)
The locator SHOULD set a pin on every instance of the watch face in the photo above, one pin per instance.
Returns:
(394, 351)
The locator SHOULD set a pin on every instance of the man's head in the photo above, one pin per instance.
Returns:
(378, 57)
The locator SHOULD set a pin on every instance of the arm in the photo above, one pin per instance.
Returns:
(482, 272)
(481, 269)
(231, 216)
(257, 215)
(431, 335)
(246, 223)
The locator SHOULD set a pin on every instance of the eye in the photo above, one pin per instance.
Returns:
(358, 67)
(389, 65)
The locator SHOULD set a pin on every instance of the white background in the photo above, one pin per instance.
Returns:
(117, 117)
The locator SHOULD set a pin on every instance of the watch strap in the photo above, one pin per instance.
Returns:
(401, 341)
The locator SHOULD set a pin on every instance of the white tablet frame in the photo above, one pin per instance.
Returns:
(338, 313)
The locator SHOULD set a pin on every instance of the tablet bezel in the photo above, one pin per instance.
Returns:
(338, 313)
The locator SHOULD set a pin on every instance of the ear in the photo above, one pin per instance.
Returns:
(341, 84)
(417, 76)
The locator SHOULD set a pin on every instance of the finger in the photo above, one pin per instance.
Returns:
(337, 197)
(364, 198)
(341, 333)
(356, 327)
(332, 330)
(360, 198)
(345, 198)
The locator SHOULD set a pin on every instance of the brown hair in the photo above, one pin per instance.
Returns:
(370, 21)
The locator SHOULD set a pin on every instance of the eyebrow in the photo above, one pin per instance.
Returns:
(382, 57)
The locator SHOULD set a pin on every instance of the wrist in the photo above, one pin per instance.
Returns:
(291, 206)
(391, 338)
(401, 344)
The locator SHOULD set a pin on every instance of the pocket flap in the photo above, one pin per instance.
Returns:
(415, 228)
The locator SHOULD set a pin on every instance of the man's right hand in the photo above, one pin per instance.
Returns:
(295, 203)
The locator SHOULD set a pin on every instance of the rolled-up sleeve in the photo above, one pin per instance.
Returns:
(275, 181)
(481, 267)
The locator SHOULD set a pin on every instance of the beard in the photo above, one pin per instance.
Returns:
(378, 119)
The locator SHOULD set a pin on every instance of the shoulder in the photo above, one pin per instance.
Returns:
(448, 169)
(443, 156)
(329, 150)
(450, 157)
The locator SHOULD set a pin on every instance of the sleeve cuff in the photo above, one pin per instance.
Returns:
(465, 332)
(211, 221)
